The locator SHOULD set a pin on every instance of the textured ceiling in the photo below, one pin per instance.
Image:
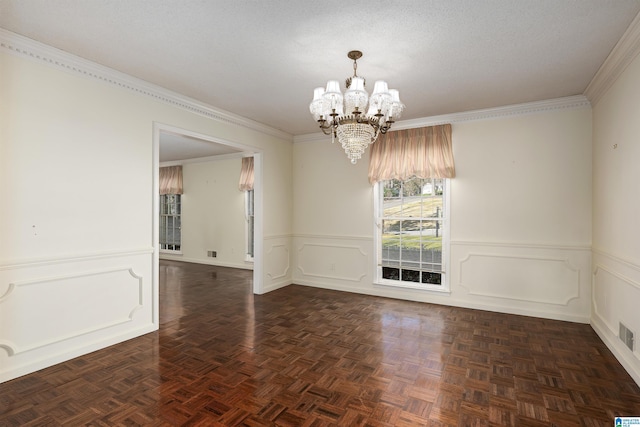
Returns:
(262, 59)
(175, 147)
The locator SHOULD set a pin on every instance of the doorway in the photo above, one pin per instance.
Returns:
(172, 145)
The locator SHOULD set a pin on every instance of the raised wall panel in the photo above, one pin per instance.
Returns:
(67, 306)
(549, 281)
(333, 261)
(616, 293)
(535, 280)
(524, 278)
(277, 262)
(60, 308)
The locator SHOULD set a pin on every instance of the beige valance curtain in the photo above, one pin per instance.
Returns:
(171, 180)
(246, 174)
(422, 152)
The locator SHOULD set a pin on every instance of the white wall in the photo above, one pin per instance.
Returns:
(76, 219)
(520, 217)
(213, 214)
(616, 210)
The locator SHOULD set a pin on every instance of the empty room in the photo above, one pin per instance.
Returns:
(303, 213)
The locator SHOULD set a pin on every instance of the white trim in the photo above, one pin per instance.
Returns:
(155, 223)
(203, 159)
(40, 52)
(242, 266)
(565, 262)
(621, 353)
(445, 285)
(331, 237)
(258, 224)
(521, 245)
(38, 262)
(624, 52)
(569, 102)
(623, 261)
(170, 252)
(277, 236)
(13, 349)
(406, 285)
(441, 298)
(285, 272)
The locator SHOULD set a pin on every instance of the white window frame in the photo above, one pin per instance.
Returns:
(179, 215)
(444, 286)
(249, 225)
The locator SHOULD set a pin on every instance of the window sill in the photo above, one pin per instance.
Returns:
(167, 252)
(440, 289)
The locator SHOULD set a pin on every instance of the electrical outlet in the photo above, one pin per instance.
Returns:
(212, 254)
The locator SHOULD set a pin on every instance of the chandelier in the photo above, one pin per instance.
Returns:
(348, 118)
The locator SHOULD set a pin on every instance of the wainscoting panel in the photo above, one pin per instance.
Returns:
(549, 281)
(56, 309)
(337, 261)
(277, 262)
(522, 278)
(536, 280)
(616, 297)
(334, 262)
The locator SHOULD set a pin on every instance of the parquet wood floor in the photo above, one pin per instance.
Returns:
(302, 356)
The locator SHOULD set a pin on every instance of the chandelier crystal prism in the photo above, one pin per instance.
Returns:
(355, 118)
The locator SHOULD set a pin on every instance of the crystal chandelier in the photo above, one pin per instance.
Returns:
(344, 117)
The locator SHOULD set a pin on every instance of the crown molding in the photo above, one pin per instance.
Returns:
(27, 48)
(566, 103)
(624, 52)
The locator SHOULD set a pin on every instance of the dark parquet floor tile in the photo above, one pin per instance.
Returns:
(302, 356)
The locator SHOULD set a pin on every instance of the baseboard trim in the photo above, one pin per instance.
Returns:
(50, 360)
(247, 266)
(630, 365)
(447, 300)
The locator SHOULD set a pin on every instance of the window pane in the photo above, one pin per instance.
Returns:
(163, 204)
(410, 276)
(431, 207)
(390, 273)
(391, 242)
(249, 216)
(169, 223)
(410, 243)
(163, 229)
(431, 246)
(412, 187)
(391, 189)
(431, 278)
(392, 207)
(177, 231)
(412, 227)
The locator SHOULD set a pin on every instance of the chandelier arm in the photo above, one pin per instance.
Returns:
(327, 127)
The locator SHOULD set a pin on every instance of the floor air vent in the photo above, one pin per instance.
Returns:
(626, 336)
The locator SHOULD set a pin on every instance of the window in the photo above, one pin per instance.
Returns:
(248, 206)
(412, 237)
(170, 223)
